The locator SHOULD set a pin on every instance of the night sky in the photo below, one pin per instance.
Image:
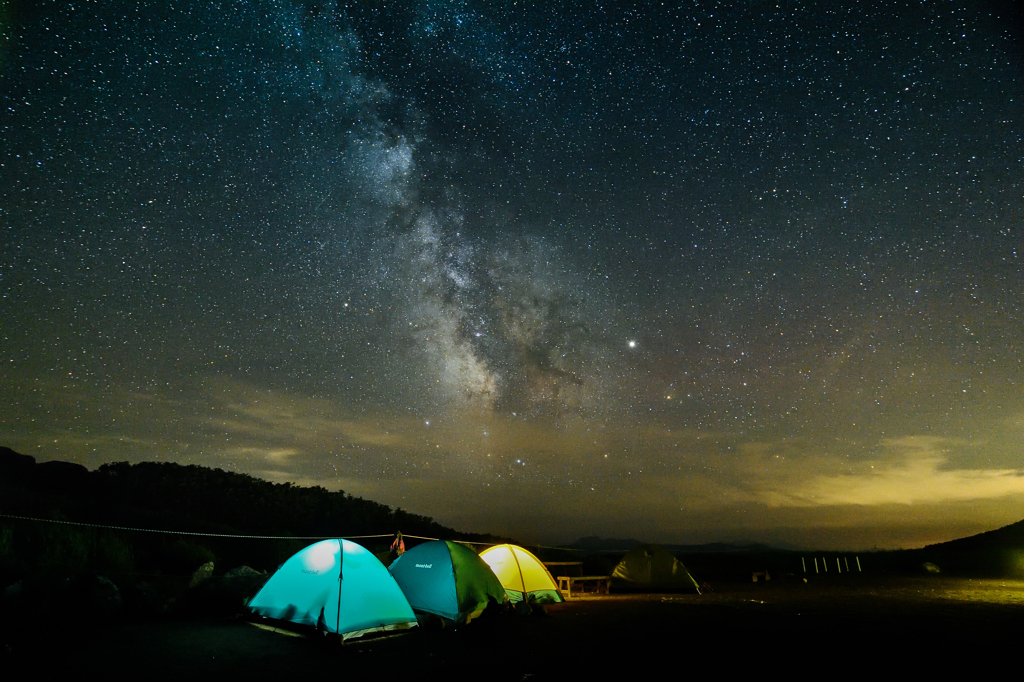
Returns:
(680, 271)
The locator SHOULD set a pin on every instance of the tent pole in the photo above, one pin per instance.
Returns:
(341, 560)
(522, 580)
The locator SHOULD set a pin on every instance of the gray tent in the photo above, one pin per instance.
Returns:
(652, 568)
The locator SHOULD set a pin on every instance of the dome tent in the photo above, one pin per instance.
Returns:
(447, 579)
(521, 574)
(650, 567)
(338, 586)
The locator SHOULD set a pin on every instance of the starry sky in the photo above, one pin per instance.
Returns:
(680, 271)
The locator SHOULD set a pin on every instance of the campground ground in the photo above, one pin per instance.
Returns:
(803, 631)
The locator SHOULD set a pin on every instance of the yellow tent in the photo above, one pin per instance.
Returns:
(521, 574)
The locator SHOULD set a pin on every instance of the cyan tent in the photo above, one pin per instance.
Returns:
(447, 579)
(522, 574)
(337, 586)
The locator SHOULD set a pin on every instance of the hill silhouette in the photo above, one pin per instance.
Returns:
(199, 500)
(1011, 536)
(174, 497)
(994, 553)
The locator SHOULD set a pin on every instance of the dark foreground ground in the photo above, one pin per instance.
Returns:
(799, 631)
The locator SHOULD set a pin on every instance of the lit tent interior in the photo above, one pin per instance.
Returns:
(521, 574)
(337, 586)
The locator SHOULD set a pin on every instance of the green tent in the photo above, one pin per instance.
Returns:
(447, 579)
(336, 586)
(652, 568)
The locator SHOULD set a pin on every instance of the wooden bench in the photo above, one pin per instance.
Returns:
(597, 584)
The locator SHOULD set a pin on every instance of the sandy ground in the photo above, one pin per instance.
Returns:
(819, 630)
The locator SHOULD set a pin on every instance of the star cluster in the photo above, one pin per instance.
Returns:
(684, 270)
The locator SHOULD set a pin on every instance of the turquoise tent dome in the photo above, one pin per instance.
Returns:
(337, 586)
(448, 580)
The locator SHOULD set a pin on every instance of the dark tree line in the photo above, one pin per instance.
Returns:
(174, 497)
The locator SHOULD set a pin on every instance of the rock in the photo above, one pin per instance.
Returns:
(429, 621)
(101, 597)
(242, 572)
(204, 572)
(146, 599)
(14, 595)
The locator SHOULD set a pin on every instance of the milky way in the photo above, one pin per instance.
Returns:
(683, 271)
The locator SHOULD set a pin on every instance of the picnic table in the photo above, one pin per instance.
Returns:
(597, 584)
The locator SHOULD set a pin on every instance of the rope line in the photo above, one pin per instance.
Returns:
(565, 549)
(206, 535)
(247, 537)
